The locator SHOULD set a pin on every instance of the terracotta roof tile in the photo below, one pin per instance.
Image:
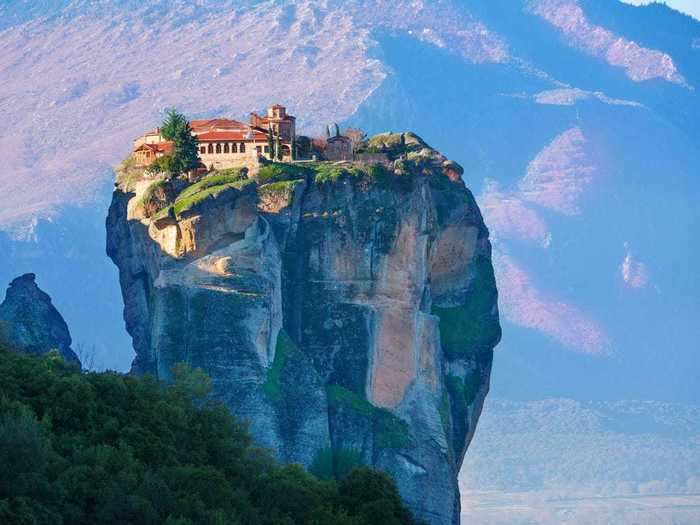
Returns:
(239, 135)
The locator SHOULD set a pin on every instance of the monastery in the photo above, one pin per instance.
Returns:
(227, 143)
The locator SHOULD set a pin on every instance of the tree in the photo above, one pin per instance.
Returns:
(102, 448)
(270, 142)
(357, 138)
(279, 155)
(185, 157)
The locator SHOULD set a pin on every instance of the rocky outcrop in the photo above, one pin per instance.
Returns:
(30, 323)
(347, 312)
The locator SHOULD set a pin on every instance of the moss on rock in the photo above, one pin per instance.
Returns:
(283, 349)
(389, 430)
(472, 326)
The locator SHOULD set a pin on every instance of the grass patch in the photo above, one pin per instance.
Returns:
(333, 173)
(284, 347)
(471, 327)
(235, 173)
(210, 186)
(183, 204)
(281, 171)
(215, 179)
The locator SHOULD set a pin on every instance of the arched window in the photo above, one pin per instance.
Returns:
(226, 148)
(242, 148)
(203, 149)
(234, 148)
(211, 148)
(218, 148)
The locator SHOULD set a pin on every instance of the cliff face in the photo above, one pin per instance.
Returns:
(348, 313)
(30, 323)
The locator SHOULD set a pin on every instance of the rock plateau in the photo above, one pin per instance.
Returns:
(347, 312)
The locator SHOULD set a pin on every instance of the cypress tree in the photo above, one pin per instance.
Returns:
(270, 142)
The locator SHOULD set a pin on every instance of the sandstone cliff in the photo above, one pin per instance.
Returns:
(347, 312)
(30, 323)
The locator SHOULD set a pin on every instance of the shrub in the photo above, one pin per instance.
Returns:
(164, 164)
(156, 197)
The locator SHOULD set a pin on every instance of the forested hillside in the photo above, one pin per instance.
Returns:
(88, 448)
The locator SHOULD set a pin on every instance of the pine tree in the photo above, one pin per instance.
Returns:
(176, 128)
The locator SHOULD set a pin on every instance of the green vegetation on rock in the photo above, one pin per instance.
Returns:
(333, 173)
(283, 349)
(210, 186)
(283, 189)
(390, 431)
(280, 171)
(338, 395)
(394, 144)
(471, 327)
(444, 411)
(336, 463)
(103, 448)
(156, 197)
(128, 173)
(464, 390)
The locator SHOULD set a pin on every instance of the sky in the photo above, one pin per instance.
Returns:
(691, 7)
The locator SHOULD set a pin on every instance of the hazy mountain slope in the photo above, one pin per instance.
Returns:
(562, 461)
(81, 84)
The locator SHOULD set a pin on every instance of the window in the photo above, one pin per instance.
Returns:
(259, 149)
(203, 149)
(211, 148)
(218, 148)
(242, 148)
(226, 148)
(267, 149)
(234, 148)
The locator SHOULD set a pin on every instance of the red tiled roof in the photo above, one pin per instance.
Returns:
(162, 147)
(216, 123)
(239, 135)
